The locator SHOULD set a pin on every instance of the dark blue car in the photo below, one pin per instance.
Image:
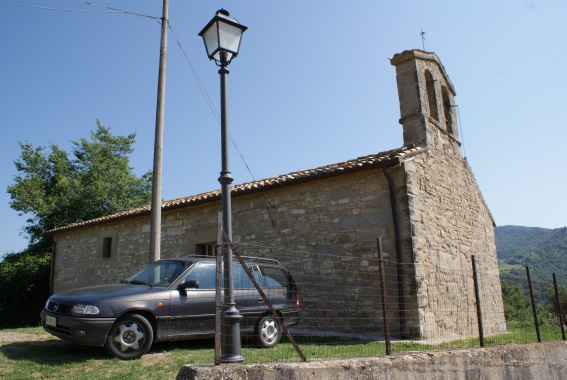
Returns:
(172, 299)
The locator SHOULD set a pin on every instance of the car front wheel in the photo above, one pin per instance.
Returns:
(268, 332)
(130, 337)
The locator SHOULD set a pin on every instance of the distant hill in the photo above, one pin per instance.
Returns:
(543, 250)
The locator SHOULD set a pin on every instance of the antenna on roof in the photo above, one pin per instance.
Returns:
(422, 34)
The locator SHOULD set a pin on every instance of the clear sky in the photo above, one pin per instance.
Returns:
(312, 86)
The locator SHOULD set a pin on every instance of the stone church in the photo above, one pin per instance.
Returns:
(421, 198)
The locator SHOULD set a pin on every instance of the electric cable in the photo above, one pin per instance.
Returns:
(201, 87)
(56, 9)
(216, 114)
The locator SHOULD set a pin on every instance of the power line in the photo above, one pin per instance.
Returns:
(117, 10)
(200, 85)
(216, 114)
(56, 9)
(109, 9)
(207, 98)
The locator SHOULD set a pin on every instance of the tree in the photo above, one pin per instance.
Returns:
(517, 305)
(551, 311)
(55, 189)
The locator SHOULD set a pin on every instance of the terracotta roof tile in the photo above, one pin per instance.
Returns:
(379, 160)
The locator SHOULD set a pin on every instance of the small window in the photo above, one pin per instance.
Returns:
(106, 247)
(207, 249)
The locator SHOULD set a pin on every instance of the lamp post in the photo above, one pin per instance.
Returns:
(222, 37)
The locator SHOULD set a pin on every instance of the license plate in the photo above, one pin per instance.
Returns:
(50, 321)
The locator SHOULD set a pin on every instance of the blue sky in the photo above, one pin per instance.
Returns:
(312, 86)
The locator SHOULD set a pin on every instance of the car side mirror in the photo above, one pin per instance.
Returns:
(191, 284)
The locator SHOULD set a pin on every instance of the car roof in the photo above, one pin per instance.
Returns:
(203, 258)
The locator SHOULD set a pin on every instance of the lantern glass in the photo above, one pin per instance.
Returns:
(222, 35)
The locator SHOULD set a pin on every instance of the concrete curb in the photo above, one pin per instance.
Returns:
(546, 361)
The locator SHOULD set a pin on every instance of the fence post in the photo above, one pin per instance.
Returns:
(534, 310)
(559, 308)
(478, 308)
(384, 301)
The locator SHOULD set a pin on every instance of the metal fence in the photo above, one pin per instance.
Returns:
(365, 304)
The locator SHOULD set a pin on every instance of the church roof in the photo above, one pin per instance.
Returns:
(378, 160)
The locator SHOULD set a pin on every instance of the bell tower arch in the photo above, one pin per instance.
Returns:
(427, 99)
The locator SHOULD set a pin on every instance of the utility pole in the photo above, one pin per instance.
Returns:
(155, 227)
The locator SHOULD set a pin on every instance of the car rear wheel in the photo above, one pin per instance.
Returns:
(268, 332)
(130, 337)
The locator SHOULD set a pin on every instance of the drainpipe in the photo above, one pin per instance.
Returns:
(52, 269)
(399, 269)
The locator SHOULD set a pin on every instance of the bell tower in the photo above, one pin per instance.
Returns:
(427, 99)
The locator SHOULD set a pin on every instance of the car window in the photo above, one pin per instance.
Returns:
(274, 277)
(205, 274)
(240, 279)
(160, 273)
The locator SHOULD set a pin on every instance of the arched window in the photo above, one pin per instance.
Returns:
(448, 110)
(431, 98)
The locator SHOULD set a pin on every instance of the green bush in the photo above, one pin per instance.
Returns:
(24, 288)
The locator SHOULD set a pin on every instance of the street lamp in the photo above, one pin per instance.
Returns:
(222, 37)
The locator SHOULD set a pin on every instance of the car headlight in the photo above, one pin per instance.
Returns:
(84, 309)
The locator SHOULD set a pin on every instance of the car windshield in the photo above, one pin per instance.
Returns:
(160, 273)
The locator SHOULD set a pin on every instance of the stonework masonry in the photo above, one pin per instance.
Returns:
(449, 219)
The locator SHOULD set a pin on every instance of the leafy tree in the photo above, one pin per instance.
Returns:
(54, 189)
(551, 312)
(517, 305)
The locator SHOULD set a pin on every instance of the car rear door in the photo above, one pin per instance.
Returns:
(247, 299)
(277, 286)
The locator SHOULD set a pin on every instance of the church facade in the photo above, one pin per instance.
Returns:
(421, 199)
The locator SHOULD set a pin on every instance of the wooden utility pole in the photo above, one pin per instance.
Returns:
(155, 227)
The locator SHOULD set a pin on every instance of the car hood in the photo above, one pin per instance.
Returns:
(95, 293)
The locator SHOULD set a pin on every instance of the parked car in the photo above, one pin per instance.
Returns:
(171, 299)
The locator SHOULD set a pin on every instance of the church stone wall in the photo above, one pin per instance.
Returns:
(450, 223)
(316, 228)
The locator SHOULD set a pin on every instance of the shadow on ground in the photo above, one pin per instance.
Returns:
(51, 352)
(57, 352)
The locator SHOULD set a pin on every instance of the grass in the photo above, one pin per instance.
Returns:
(505, 267)
(31, 353)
